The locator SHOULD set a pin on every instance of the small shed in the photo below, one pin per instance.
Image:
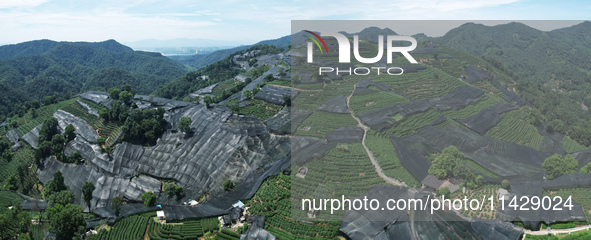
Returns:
(503, 194)
(452, 187)
(238, 204)
(240, 78)
(432, 182)
(302, 172)
(160, 215)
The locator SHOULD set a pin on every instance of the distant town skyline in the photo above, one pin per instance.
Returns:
(247, 22)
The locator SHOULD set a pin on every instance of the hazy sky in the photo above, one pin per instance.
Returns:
(245, 22)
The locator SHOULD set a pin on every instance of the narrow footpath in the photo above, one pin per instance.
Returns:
(369, 153)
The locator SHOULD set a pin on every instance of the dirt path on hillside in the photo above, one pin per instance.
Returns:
(377, 167)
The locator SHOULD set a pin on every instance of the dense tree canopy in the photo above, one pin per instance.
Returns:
(228, 185)
(173, 190)
(144, 126)
(5, 152)
(451, 162)
(69, 133)
(444, 191)
(55, 185)
(87, 190)
(149, 199)
(51, 141)
(114, 93)
(444, 163)
(586, 168)
(62, 197)
(66, 221)
(556, 165)
(48, 129)
(139, 126)
(15, 217)
(185, 124)
(116, 205)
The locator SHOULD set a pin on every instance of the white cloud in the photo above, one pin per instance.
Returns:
(248, 21)
(452, 5)
(95, 26)
(207, 12)
(20, 3)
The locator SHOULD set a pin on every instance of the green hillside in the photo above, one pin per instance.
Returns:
(219, 71)
(552, 69)
(43, 68)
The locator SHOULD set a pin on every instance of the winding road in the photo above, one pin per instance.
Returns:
(369, 153)
(555, 231)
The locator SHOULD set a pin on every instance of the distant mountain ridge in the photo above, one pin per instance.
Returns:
(179, 42)
(520, 46)
(202, 60)
(43, 67)
(38, 47)
(584, 27)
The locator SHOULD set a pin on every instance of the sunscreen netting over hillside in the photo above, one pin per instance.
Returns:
(379, 119)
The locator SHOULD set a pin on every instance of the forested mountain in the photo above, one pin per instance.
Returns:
(38, 47)
(553, 68)
(43, 67)
(528, 51)
(201, 60)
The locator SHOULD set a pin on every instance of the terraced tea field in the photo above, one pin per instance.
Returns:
(23, 157)
(515, 127)
(487, 191)
(260, 109)
(143, 226)
(425, 84)
(7, 198)
(489, 87)
(582, 196)
(374, 100)
(36, 231)
(273, 201)
(79, 111)
(473, 108)
(386, 157)
(412, 123)
(27, 122)
(344, 170)
(571, 146)
(320, 123)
